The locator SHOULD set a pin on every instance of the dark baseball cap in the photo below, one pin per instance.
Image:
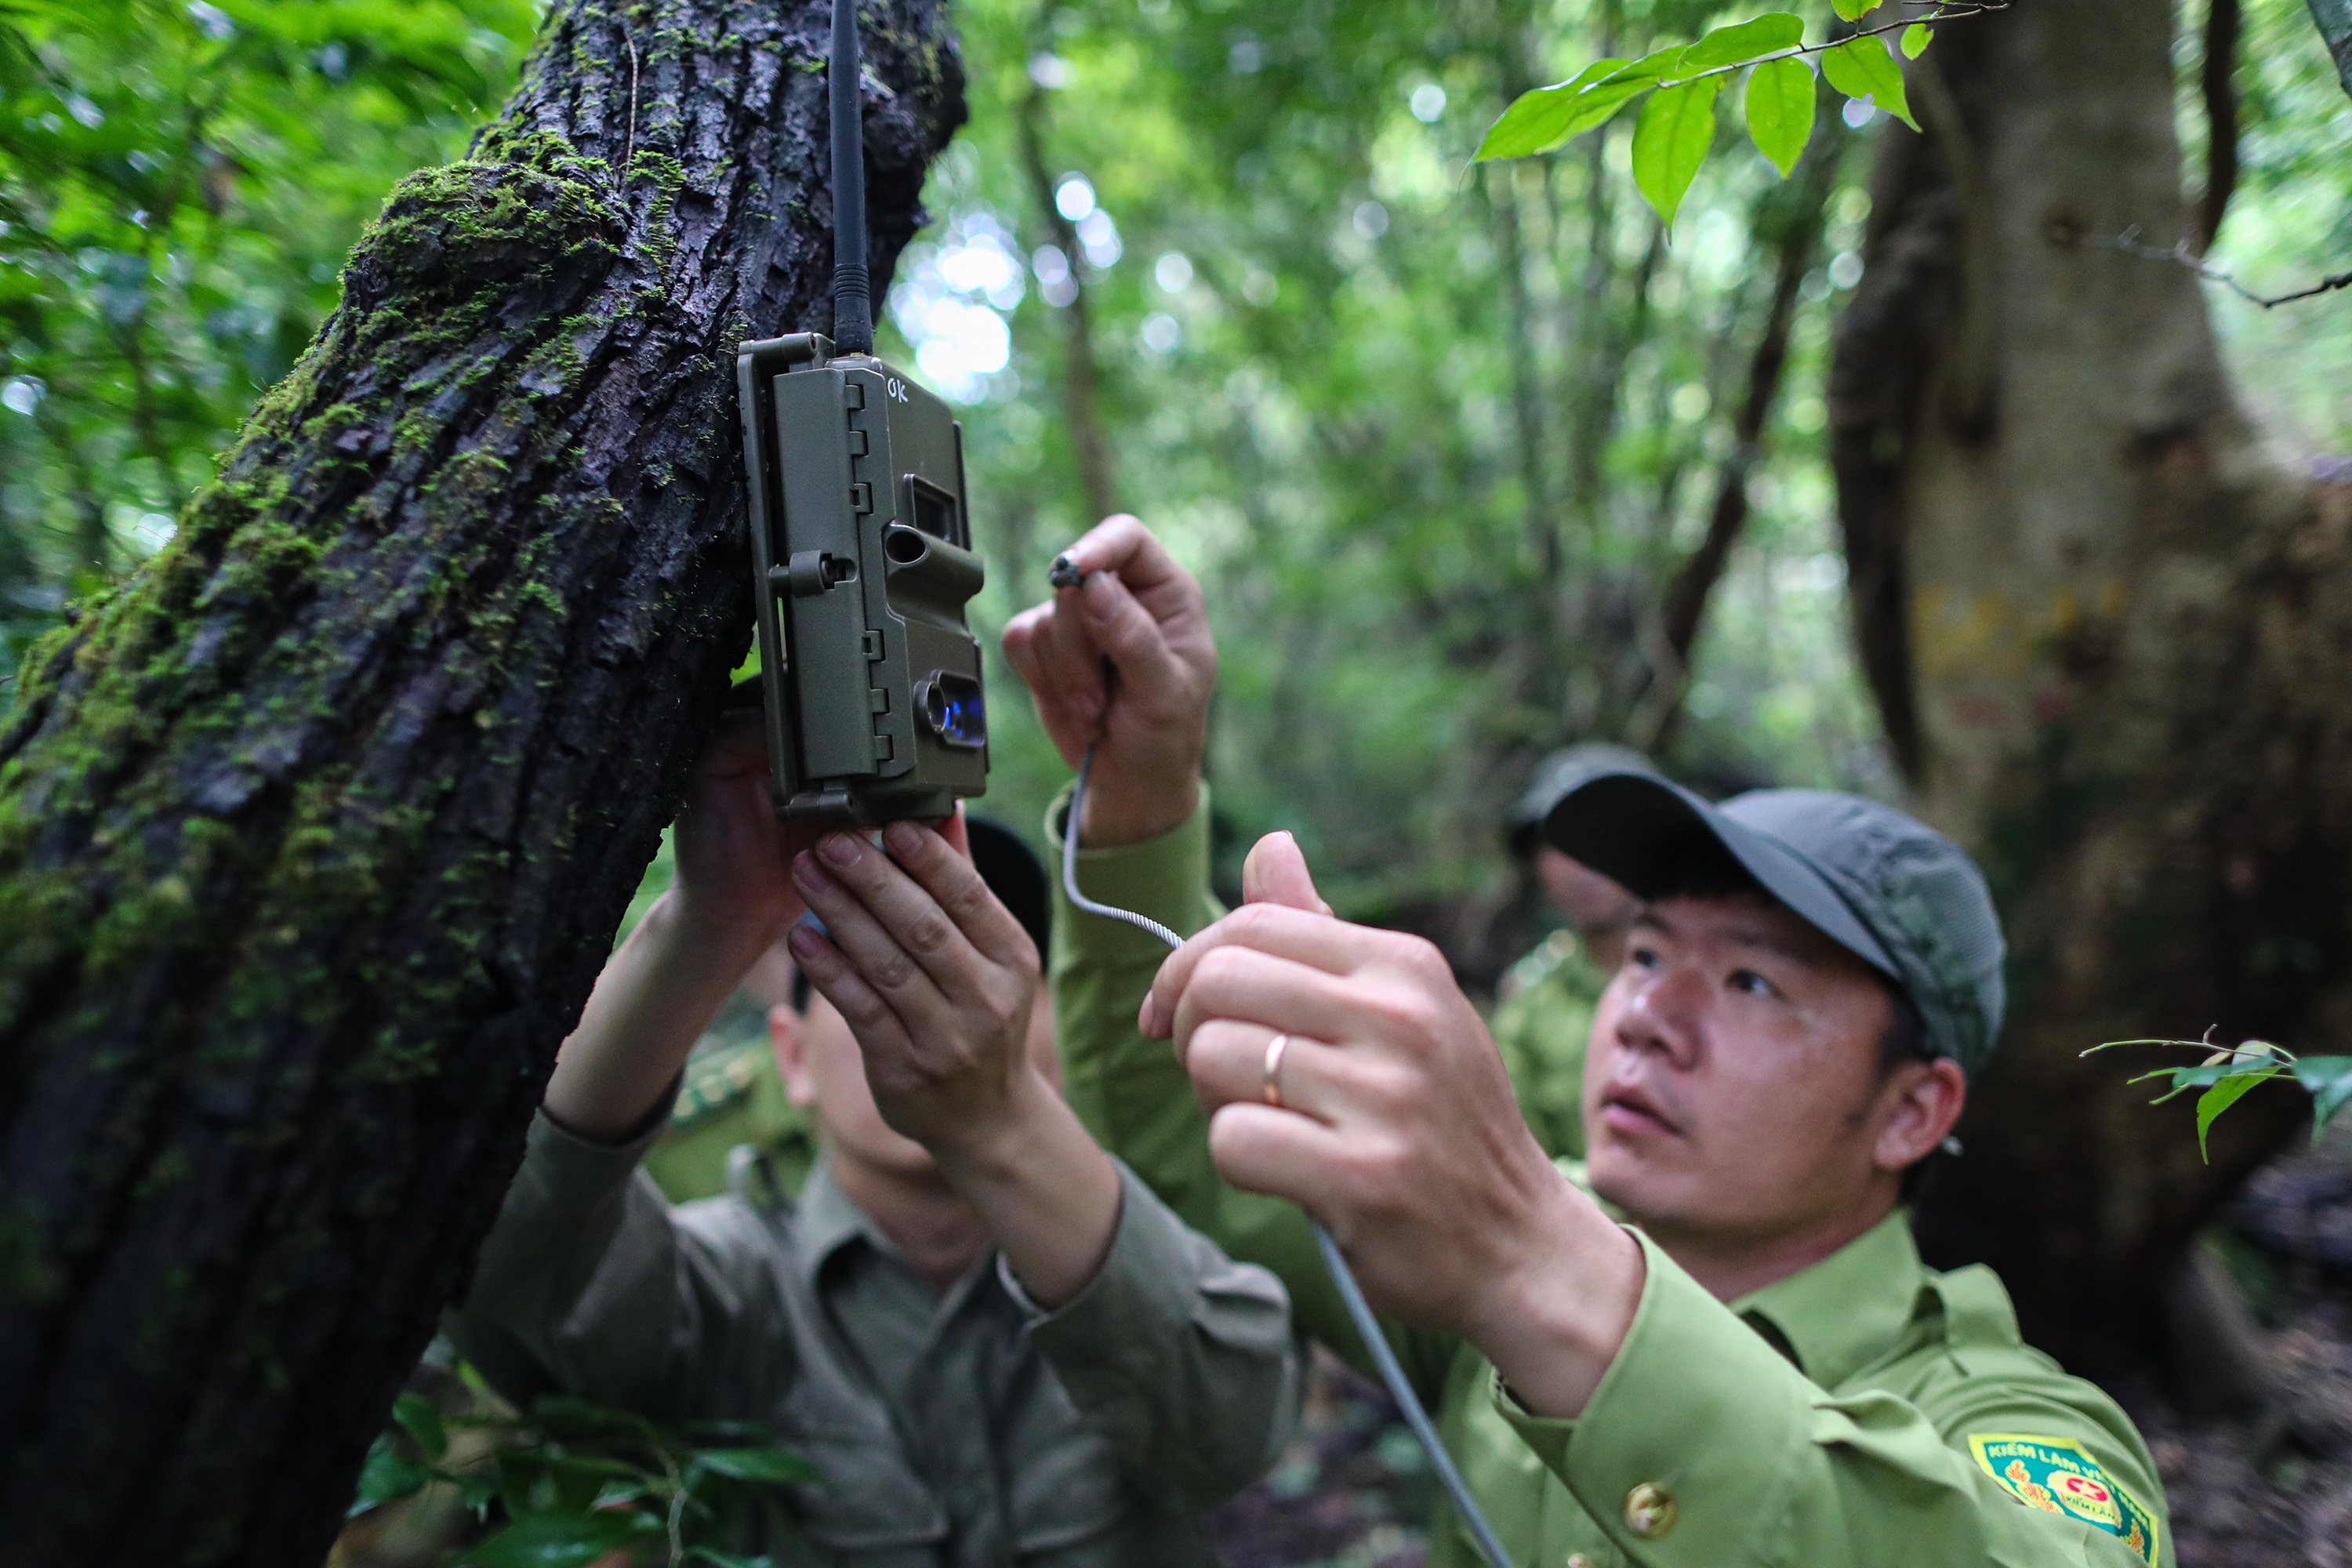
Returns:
(1894, 892)
(1558, 772)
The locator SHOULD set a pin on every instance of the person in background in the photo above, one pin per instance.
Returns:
(1547, 1001)
(734, 1097)
(992, 1343)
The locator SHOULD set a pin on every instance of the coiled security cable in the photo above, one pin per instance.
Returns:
(1360, 1311)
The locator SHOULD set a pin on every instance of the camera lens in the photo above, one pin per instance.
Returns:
(954, 710)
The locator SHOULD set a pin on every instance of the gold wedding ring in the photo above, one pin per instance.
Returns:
(1274, 1049)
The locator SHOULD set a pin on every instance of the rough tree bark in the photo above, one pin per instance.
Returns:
(313, 837)
(2108, 630)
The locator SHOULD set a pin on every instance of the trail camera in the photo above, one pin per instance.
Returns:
(861, 548)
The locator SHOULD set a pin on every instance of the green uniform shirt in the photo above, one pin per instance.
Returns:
(1541, 1025)
(730, 1097)
(950, 1429)
(1867, 1410)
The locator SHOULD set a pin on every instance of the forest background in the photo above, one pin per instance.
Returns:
(1437, 442)
(1476, 461)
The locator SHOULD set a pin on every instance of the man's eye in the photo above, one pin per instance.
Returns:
(1749, 983)
(1641, 957)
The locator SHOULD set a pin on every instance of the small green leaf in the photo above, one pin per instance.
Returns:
(1736, 46)
(1670, 142)
(2329, 1080)
(1780, 111)
(388, 1476)
(1861, 67)
(1855, 10)
(421, 1419)
(1915, 39)
(1548, 117)
(557, 1539)
(2219, 1099)
(756, 1464)
(1656, 64)
(476, 1490)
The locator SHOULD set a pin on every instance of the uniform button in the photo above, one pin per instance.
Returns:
(1578, 1560)
(1649, 1510)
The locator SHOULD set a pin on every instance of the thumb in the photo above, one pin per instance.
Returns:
(1276, 873)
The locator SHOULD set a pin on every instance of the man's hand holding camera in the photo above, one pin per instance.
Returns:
(937, 981)
(1387, 1113)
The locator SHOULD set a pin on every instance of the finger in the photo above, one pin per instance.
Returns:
(1064, 672)
(879, 1030)
(957, 832)
(1128, 635)
(880, 958)
(1276, 873)
(1255, 988)
(1262, 1149)
(1320, 940)
(954, 885)
(1121, 544)
(1225, 1059)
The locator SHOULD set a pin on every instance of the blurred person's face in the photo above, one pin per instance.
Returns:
(824, 1070)
(1734, 1088)
(1588, 899)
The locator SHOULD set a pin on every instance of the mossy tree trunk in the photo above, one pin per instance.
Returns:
(2108, 629)
(313, 837)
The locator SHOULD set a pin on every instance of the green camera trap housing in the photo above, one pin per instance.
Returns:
(862, 565)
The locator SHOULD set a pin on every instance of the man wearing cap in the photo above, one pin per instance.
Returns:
(1741, 1358)
(1543, 1015)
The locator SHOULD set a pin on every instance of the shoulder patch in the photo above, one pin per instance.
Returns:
(2057, 1476)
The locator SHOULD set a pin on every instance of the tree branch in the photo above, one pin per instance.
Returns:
(2335, 19)
(2221, 121)
(2129, 242)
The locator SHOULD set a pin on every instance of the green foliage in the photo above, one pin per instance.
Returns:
(575, 1481)
(1863, 69)
(2226, 1077)
(1770, 47)
(178, 184)
(1670, 142)
(1780, 111)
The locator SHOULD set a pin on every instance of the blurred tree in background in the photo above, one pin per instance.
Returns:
(1441, 441)
(179, 186)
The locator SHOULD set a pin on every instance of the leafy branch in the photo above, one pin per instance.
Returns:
(2129, 243)
(2228, 1075)
(1676, 127)
(577, 1480)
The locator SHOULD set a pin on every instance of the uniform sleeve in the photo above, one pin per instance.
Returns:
(1132, 1093)
(1541, 1033)
(591, 1285)
(1183, 1358)
(1703, 1446)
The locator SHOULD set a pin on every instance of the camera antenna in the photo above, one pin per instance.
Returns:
(853, 294)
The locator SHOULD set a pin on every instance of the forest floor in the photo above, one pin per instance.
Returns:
(2275, 1490)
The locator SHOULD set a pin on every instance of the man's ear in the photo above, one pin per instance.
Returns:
(1929, 1098)
(792, 1054)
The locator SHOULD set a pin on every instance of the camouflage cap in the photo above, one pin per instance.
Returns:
(1889, 890)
